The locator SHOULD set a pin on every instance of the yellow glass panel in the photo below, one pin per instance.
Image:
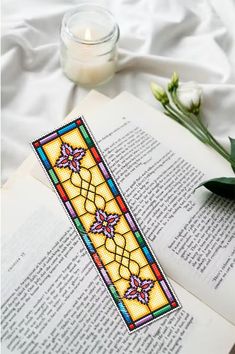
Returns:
(113, 270)
(97, 176)
(105, 256)
(122, 285)
(52, 150)
(84, 192)
(157, 297)
(78, 204)
(139, 257)
(134, 267)
(118, 259)
(147, 273)
(136, 309)
(72, 138)
(116, 245)
(104, 190)
(119, 251)
(92, 188)
(122, 226)
(63, 174)
(91, 196)
(125, 262)
(84, 185)
(87, 220)
(76, 179)
(126, 254)
(97, 239)
(85, 175)
(131, 243)
(88, 160)
(125, 271)
(110, 244)
(113, 208)
(92, 202)
(71, 190)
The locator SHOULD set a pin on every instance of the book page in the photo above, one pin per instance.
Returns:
(53, 301)
(158, 164)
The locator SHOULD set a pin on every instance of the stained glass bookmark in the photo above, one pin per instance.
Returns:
(100, 214)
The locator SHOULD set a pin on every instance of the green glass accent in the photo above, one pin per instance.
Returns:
(114, 292)
(53, 176)
(140, 239)
(85, 135)
(79, 225)
(161, 311)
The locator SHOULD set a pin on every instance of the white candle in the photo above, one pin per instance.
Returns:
(88, 49)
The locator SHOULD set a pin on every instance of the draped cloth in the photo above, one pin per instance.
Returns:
(194, 38)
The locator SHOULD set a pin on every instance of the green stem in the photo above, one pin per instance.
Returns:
(221, 152)
(211, 138)
(198, 123)
(179, 104)
(175, 115)
(187, 116)
(190, 124)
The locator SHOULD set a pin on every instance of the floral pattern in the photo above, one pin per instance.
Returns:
(139, 289)
(70, 157)
(104, 223)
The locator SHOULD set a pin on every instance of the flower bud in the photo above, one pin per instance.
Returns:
(159, 93)
(174, 82)
(190, 95)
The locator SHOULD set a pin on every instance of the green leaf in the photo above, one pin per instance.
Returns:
(232, 142)
(223, 186)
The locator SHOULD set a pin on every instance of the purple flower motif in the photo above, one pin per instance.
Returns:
(70, 157)
(139, 289)
(104, 223)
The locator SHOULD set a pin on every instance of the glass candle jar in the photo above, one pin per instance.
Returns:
(89, 36)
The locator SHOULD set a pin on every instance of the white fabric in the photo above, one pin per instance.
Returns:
(194, 38)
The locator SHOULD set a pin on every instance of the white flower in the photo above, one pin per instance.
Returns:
(174, 83)
(190, 95)
(159, 93)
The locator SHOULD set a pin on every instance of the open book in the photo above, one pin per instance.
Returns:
(52, 298)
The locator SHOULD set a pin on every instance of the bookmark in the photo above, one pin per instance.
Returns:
(99, 212)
